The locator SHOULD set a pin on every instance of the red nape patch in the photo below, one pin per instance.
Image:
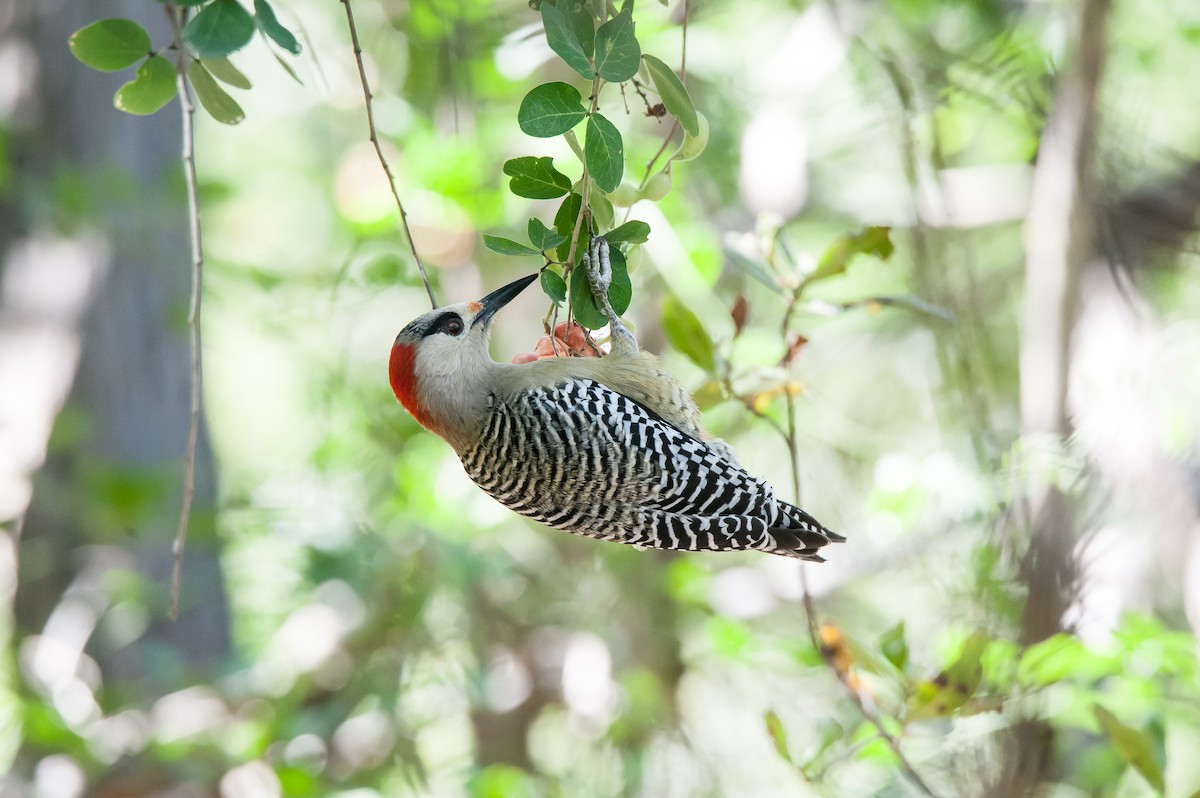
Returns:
(402, 375)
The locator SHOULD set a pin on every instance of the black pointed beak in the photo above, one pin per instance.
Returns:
(501, 297)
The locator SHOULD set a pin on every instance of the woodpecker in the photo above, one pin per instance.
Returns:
(610, 448)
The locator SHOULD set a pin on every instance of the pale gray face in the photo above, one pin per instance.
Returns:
(451, 321)
(460, 321)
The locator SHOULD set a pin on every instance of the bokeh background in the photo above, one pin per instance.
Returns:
(1010, 441)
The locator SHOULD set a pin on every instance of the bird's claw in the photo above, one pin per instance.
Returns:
(599, 269)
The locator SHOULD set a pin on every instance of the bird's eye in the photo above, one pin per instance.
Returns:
(452, 326)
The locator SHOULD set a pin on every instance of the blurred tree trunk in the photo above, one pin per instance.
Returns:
(100, 526)
(1058, 247)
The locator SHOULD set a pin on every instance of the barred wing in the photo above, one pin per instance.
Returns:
(584, 458)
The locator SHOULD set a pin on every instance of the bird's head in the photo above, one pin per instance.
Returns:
(440, 361)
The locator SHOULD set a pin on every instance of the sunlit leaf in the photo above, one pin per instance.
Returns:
(633, 232)
(709, 394)
(871, 241)
(563, 40)
(604, 152)
(687, 334)
(536, 178)
(223, 70)
(554, 286)
(777, 734)
(754, 269)
(287, 68)
(505, 246)
(618, 53)
(213, 98)
(551, 109)
(1064, 656)
(950, 689)
(894, 647)
(693, 145)
(154, 87)
(110, 44)
(674, 96)
(268, 23)
(1131, 745)
(220, 28)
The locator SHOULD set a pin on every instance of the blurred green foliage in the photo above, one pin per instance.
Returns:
(398, 633)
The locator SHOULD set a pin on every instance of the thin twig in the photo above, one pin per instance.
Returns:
(683, 54)
(675, 124)
(188, 110)
(810, 614)
(789, 432)
(387, 169)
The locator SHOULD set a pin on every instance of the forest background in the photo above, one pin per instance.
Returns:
(935, 268)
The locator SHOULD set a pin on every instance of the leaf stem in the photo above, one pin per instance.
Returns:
(374, 137)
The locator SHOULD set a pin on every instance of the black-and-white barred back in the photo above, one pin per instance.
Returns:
(584, 458)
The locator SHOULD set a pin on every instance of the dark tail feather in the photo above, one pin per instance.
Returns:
(798, 534)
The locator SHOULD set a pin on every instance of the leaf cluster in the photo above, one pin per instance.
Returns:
(209, 31)
(601, 47)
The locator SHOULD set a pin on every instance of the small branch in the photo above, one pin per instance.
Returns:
(387, 169)
(662, 148)
(176, 17)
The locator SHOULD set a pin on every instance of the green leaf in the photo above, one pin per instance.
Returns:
(536, 178)
(554, 286)
(564, 223)
(1131, 745)
(693, 145)
(674, 96)
(268, 23)
(604, 153)
(287, 68)
(563, 40)
(753, 268)
(778, 735)
(153, 88)
(687, 334)
(620, 292)
(618, 53)
(950, 689)
(634, 232)
(507, 246)
(543, 238)
(219, 29)
(220, 106)
(870, 241)
(223, 70)
(551, 110)
(110, 44)
(581, 22)
(894, 647)
(599, 206)
(1063, 656)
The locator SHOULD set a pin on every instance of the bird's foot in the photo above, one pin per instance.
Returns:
(599, 269)
(599, 273)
